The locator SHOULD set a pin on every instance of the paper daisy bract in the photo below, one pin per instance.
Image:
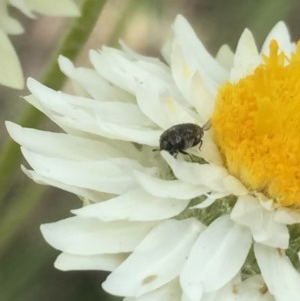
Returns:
(219, 222)
(11, 71)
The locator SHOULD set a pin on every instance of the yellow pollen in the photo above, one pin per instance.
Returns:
(256, 125)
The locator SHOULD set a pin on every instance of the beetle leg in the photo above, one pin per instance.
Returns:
(183, 152)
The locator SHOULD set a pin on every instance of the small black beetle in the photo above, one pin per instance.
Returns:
(181, 137)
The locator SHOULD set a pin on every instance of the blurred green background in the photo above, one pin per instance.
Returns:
(26, 261)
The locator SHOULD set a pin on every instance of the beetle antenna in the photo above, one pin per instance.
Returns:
(206, 125)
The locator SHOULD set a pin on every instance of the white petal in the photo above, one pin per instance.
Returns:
(216, 257)
(273, 234)
(185, 297)
(201, 97)
(210, 199)
(225, 56)
(102, 262)
(196, 56)
(287, 216)
(89, 236)
(54, 7)
(23, 7)
(75, 106)
(181, 71)
(95, 85)
(156, 261)
(141, 135)
(162, 108)
(265, 201)
(136, 56)
(65, 145)
(169, 189)
(101, 118)
(252, 289)
(32, 100)
(281, 34)
(135, 205)
(246, 57)
(233, 185)
(209, 150)
(8, 24)
(280, 275)
(168, 292)
(227, 293)
(11, 74)
(110, 176)
(208, 175)
(245, 209)
(91, 195)
(265, 229)
(129, 74)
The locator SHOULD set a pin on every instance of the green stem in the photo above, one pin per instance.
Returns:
(73, 42)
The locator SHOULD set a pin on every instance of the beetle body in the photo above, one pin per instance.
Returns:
(181, 137)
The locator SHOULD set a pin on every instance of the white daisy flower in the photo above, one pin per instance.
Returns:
(11, 71)
(218, 222)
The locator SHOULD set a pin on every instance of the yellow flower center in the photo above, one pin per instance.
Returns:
(257, 127)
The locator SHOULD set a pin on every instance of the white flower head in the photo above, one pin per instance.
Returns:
(218, 223)
(11, 71)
